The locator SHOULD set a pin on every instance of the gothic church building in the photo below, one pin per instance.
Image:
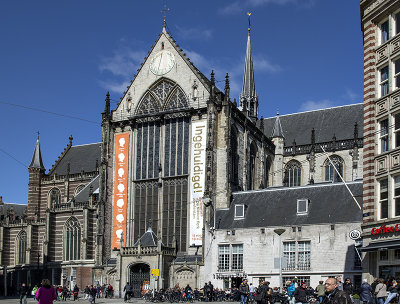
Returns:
(139, 206)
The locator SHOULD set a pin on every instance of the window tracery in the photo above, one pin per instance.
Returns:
(292, 174)
(148, 105)
(330, 172)
(72, 241)
(54, 197)
(21, 248)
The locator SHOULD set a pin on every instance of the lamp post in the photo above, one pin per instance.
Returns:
(279, 232)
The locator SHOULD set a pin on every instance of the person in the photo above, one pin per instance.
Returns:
(365, 292)
(300, 293)
(393, 291)
(252, 290)
(339, 283)
(93, 293)
(210, 291)
(348, 287)
(333, 295)
(380, 291)
(262, 292)
(87, 291)
(188, 291)
(76, 292)
(320, 289)
(128, 291)
(34, 289)
(373, 286)
(23, 293)
(45, 294)
(290, 291)
(244, 292)
(64, 293)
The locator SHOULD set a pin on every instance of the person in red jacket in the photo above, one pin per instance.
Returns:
(45, 294)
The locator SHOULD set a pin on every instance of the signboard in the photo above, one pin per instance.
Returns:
(197, 180)
(121, 152)
(155, 272)
(385, 229)
(355, 234)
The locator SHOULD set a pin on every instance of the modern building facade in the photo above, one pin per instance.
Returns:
(380, 24)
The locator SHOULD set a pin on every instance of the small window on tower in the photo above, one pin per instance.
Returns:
(162, 45)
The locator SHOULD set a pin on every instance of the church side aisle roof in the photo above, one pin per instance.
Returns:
(80, 158)
(83, 195)
(329, 203)
(338, 121)
(19, 209)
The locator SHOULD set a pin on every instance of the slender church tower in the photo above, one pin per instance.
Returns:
(248, 99)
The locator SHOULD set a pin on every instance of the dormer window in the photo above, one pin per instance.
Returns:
(302, 206)
(239, 211)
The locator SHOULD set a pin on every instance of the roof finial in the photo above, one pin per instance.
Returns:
(164, 11)
(38, 133)
(249, 14)
(70, 140)
(277, 112)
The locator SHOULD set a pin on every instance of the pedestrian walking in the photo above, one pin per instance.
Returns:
(339, 283)
(365, 292)
(348, 287)
(393, 291)
(333, 295)
(76, 292)
(244, 292)
(23, 293)
(380, 291)
(320, 289)
(46, 294)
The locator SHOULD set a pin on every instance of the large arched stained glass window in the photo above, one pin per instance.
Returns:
(21, 248)
(292, 174)
(54, 197)
(330, 172)
(72, 241)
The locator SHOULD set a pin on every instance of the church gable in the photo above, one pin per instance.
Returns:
(167, 80)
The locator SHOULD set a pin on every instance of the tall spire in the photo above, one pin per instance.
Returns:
(248, 94)
(37, 157)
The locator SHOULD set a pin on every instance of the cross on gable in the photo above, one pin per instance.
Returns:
(164, 11)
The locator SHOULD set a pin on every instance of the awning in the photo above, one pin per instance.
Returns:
(375, 246)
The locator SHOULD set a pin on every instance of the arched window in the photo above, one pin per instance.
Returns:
(54, 197)
(72, 241)
(252, 180)
(177, 100)
(234, 172)
(267, 168)
(79, 189)
(21, 248)
(292, 174)
(330, 172)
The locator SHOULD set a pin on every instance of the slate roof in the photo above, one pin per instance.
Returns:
(37, 157)
(80, 158)
(83, 195)
(328, 203)
(18, 208)
(148, 239)
(338, 121)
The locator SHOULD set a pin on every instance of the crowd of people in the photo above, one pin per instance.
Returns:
(46, 293)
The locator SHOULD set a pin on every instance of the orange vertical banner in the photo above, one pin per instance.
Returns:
(121, 166)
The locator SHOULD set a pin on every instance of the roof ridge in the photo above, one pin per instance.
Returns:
(60, 158)
(86, 144)
(327, 184)
(324, 109)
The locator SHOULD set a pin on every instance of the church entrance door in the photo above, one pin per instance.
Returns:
(139, 278)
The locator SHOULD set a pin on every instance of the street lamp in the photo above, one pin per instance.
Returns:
(279, 232)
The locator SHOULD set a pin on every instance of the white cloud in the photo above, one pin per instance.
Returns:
(194, 33)
(316, 105)
(123, 62)
(114, 86)
(350, 95)
(262, 64)
(240, 6)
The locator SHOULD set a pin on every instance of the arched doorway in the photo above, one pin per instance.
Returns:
(139, 276)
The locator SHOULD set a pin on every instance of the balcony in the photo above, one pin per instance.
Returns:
(298, 266)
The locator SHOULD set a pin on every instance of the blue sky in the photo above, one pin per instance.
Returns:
(63, 56)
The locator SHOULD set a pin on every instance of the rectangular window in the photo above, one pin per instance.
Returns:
(384, 81)
(237, 257)
(303, 255)
(383, 255)
(302, 206)
(397, 74)
(289, 254)
(223, 257)
(396, 195)
(397, 130)
(397, 254)
(384, 135)
(383, 198)
(397, 23)
(305, 279)
(384, 32)
(239, 211)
